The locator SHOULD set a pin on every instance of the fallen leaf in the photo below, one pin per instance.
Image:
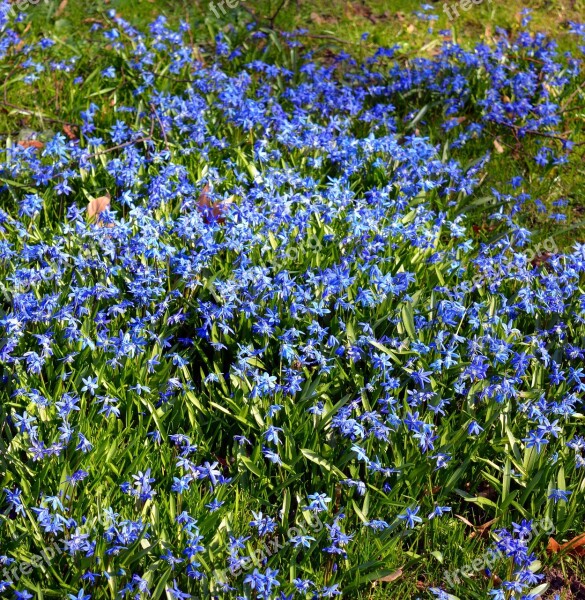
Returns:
(493, 578)
(499, 148)
(61, 8)
(31, 144)
(482, 530)
(553, 546)
(540, 259)
(478, 530)
(469, 523)
(22, 43)
(365, 12)
(97, 206)
(576, 546)
(411, 28)
(212, 211)
(317, 18)
(69, 131)
(392, 577)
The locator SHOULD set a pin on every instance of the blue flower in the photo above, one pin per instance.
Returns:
(559, 495)
(409, 516)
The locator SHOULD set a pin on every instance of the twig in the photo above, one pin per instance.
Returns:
(518, 130)
(36, 113)
(327, 37)
(56, 84)
(569, 108)
(175, 79)
(150, 134)
(571, 96)
(162, 127)
(255, 16)
(189, 29)
(138, 141)
(6, 81)
(273, 17)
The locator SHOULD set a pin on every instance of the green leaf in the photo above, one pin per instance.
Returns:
(319, 460)
(250, 466)
(408, 320)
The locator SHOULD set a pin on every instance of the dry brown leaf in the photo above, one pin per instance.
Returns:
(482, 530)
(22, 43)
(576, 546)
(392, 577)
(320, 19)
(31, 144)
(204, 199)
(97, 206)
(469, 523)
(363, 11)
(499, 148)
(317, 18)
(61, 8)
(553, 546)
(212, 211)
(496, 581)
(70, 131)
(478, 530)
(540, 259)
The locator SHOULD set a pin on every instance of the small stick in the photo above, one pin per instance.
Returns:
(518, 130)
(273, 17)
(36, 113)
(162, 127)
(138, 141)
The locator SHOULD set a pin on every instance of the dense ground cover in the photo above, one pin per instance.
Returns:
(266, 331)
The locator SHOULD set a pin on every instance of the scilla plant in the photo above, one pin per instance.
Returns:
(181, 385)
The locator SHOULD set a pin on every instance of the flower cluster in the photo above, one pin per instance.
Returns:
(180, 383)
